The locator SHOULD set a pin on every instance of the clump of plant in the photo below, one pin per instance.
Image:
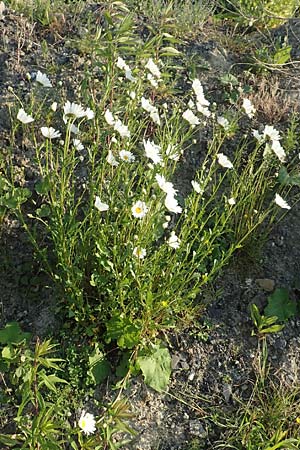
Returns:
(261, 13)
(39, 411)
(128, 251)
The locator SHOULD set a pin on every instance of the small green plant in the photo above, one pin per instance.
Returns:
(39, 407)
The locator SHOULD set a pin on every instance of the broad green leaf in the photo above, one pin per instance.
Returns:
(280, 305)
(99, 367)
(156, 368)
(285, 179)
(122, 329)
(43, 186)
(12, 334)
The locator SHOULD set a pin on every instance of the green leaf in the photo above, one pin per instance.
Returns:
(12, 334)
(43, 211)
(99, 367)
(282, 55)
(11, 442)
(156, 368)
(42, 187)
(169, 51)
(280, 305)
(123, 330)
(288, 180)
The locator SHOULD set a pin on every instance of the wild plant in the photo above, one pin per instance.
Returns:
(129, 253)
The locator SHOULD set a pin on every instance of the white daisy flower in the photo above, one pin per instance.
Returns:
(89, 114)
(121, 129)
(173, 241)
(190, 117)
(278, 150)
(203, 110)
(87, 423)
(151, 109)
(111, 159)
(224, 161)
(172, 205)
(153, 68)
(100, 205)
(139, 209)
(121, 64)
(50, 133)
(78, 145)
(280, 202)
(248, 108)
(132, 95)
(139, 252)
(198, 89)
(152, 151)
(271, 132)
(109, 117)
(24, 117)
(164, 185)
(196, 187)
(129, 76)
(231, 201)
(54, 106)
(223, 122)
(43, 79)
(127, 156)
(257, 135)
(152, 80)
(73, 110)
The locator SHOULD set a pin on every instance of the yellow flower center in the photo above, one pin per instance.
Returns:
(138, 210)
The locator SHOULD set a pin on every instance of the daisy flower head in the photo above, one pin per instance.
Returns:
(89, 114)
(198, 89)
(78, 145)
(196, 186)
(87, 423)
(121, 129)
(153, 68)
(279, 151)
(173, 241)
(53, 106)
(100, 205)
(190, 117)
(259, 137)
(50, 133)
(248, 108)
(73, 110)
(153, 81)
(281, 202)
(224, 161)
(24, 117)
(172, 205)
(108, 116)
(43, 79)
(165, 186)
(203, 110)
(271, 133)
(139, 252)
(152, 151)
(139, 209)
(231, 201)
(223, 122)
(111, 159)
(126, 155)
